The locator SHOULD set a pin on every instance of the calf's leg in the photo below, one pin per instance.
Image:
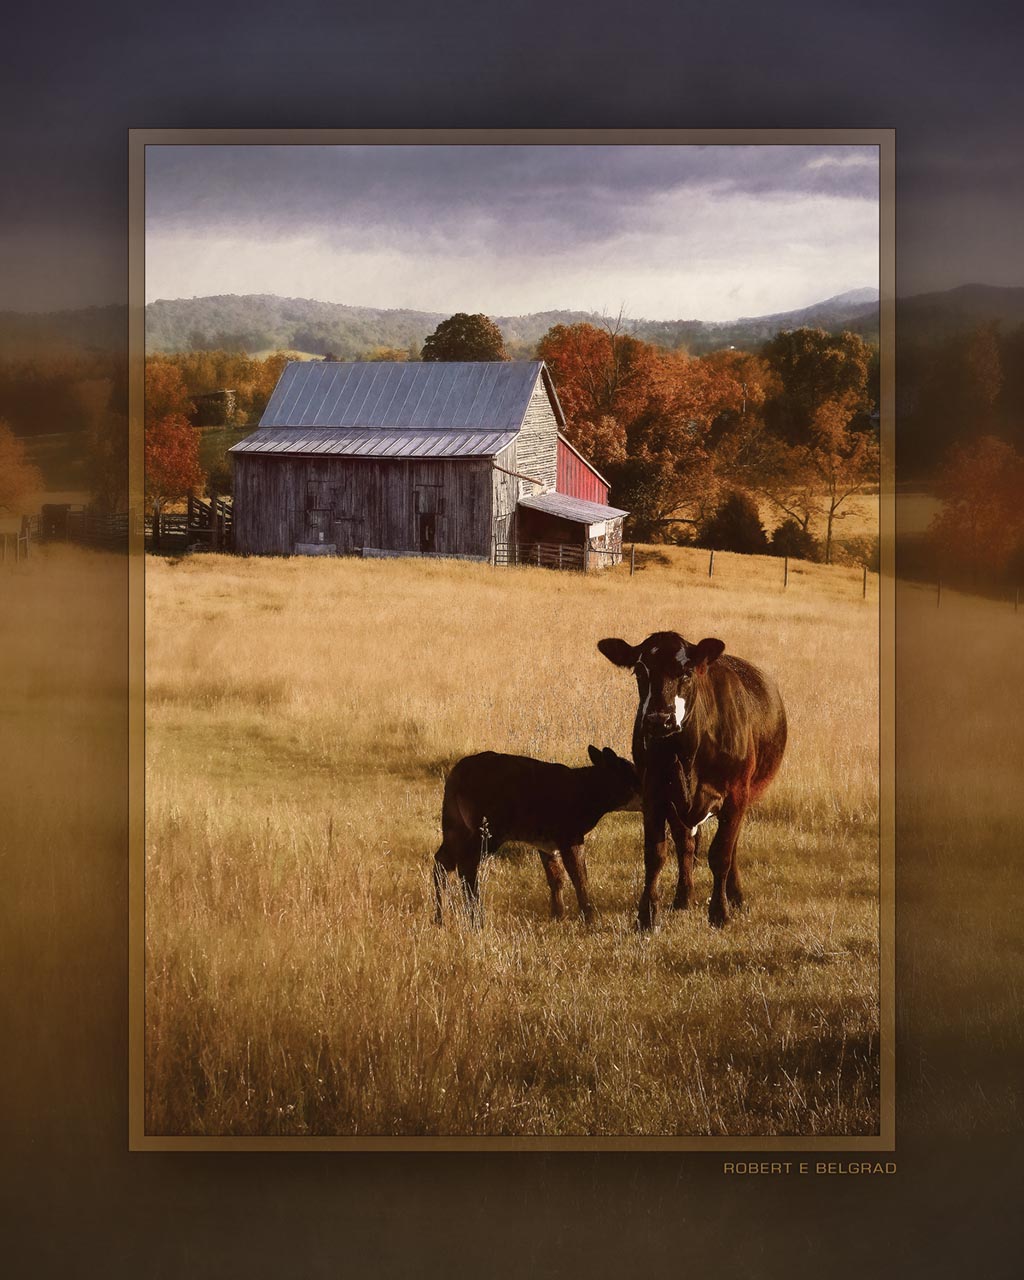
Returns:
(469, 867)
(576, 865)
(444, 865)
(555, 873)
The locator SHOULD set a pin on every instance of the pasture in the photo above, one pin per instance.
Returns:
(301, 717)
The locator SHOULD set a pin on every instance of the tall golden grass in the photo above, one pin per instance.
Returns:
(301, 717)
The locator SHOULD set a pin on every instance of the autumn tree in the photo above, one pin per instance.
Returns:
(980, 527)
(842, 458)
(465, 337)
(171, 459)
(19, 477)
(166, 394)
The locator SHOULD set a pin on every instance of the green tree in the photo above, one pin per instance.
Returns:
(815, 368)
(465, 337)
(735, 526)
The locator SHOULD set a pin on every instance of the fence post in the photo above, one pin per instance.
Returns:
(938, 595)
(711, 566)
(865, 592)
(785, 572)
(632, 560)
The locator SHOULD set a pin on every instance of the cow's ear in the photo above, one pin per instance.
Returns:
(705, 652)
(619, 652)
(595, 755)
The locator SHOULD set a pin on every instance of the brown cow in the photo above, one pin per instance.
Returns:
(708, 737)
(491, 798)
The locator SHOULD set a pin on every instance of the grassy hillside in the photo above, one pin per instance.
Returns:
(301, 717)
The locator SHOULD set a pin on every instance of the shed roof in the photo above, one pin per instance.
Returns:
(374, 442)
(491, 396)
(575, 509)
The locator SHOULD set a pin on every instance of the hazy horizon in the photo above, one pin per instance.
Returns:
(660, 232)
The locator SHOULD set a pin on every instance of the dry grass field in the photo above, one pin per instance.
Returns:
(301, 717)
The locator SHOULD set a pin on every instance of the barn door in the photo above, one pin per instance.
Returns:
(429, 506)
(348, 534)
(319, 512)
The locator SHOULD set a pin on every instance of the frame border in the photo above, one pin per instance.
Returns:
(138, 140)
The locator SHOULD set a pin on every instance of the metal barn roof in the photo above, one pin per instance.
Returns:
(490, 396)
(374, 442)
(575, 509)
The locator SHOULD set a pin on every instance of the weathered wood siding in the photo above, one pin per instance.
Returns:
(505, 493)
(537, 443)
(443, 506)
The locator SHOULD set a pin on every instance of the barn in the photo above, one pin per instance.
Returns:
(465, 460)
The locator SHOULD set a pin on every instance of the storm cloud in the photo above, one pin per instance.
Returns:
(664, 231)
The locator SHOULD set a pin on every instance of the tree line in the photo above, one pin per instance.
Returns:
(685, 441)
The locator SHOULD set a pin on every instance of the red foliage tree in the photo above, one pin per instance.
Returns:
(172, 459)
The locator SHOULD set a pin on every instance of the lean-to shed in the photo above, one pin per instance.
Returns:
(413, 458)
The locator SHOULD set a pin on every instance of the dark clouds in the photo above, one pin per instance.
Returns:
(525, 201)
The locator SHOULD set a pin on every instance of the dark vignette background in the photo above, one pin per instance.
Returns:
(74, 1202)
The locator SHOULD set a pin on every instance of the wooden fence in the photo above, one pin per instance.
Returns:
(545, 555)
(203, 524)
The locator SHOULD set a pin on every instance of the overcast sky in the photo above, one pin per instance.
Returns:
(712, 232)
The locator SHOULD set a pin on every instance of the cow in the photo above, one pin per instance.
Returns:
(708, 738)
(490, 798)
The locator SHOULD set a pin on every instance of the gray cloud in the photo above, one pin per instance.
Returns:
(555, 195)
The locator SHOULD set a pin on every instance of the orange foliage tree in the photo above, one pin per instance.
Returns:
(166, 394)
(171, 459)
(646, 418)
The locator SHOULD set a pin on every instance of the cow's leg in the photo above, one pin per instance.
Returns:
(555, 873)
(576, 865)
(721, 856)
(685, 840)
(444, 865)
(654, 860)
(733, 883)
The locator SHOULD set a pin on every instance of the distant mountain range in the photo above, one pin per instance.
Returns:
(259, 323)
(263, 322)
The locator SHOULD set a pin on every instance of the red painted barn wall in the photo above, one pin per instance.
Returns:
(576, 478)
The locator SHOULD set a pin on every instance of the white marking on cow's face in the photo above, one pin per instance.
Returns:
(680, 710)
(682, 657)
